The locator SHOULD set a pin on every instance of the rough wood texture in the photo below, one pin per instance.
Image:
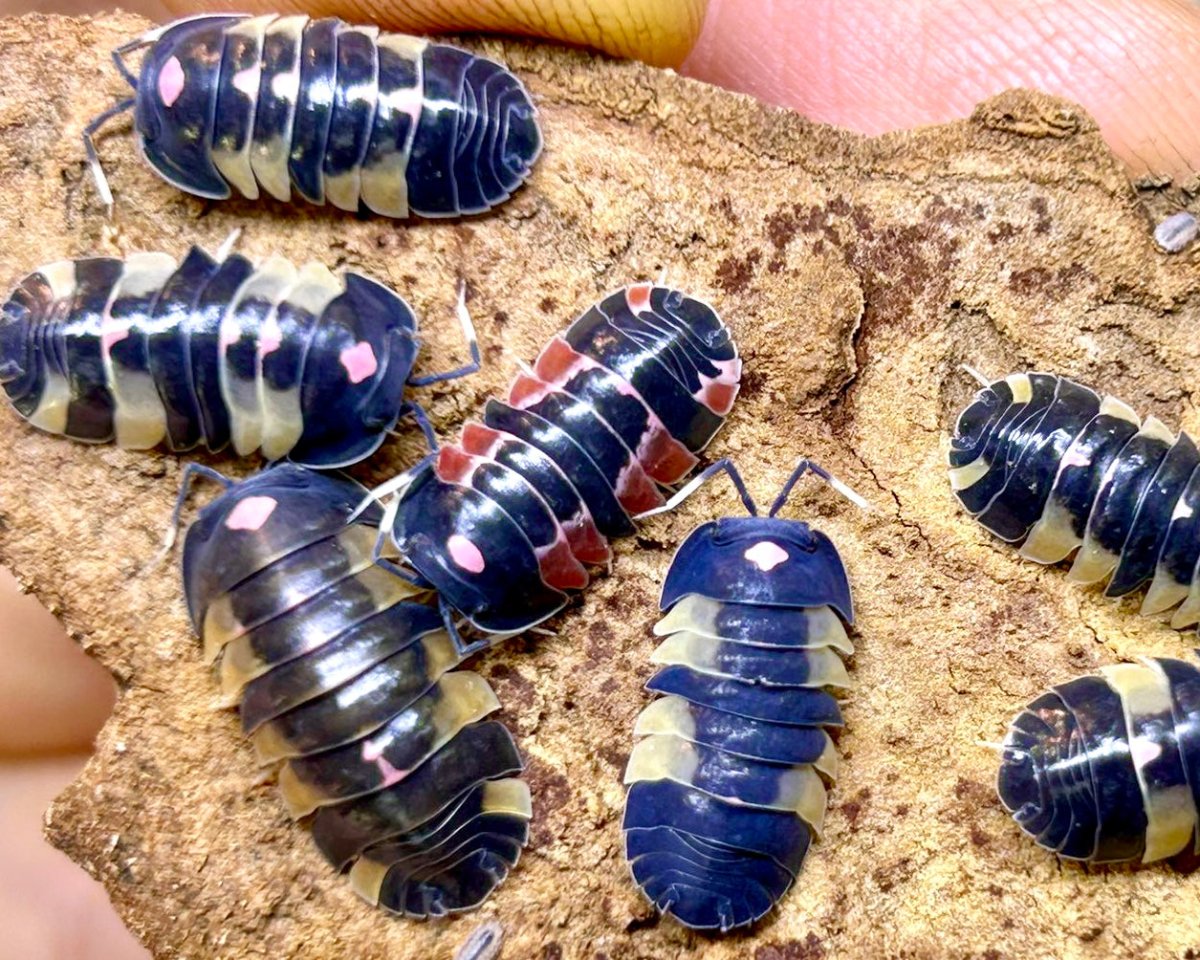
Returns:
(857, 275)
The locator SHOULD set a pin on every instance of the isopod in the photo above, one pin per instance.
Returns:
(1054, 466)
(502, 523)
(344, 678)
(727, 778)
(490, 533)
(290, 360)
(1177, 231)
(332, 112)
(1106, 768)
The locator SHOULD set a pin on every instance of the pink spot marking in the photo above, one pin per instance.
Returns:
(112, 336)
(229, 336)
(247, 81)
(372, 752)
(359, 361)
(410, 100)
(251, 513)
(170, 81)
(1143, 750)
(766, 555)
(625, 388)
(1077, 458)
(464, 553)
(270, 337)
(638, 297)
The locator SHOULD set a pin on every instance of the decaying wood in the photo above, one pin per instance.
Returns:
(857, 274)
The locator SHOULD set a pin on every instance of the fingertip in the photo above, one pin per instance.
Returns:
(53, 697)
(50, 909)
(659, 32)
(876, 65)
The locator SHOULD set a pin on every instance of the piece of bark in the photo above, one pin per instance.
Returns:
(857, 274)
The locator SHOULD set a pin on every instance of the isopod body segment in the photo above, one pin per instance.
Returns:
(344, 679)
(1066, 472)
(727, 777)
(348, 115)
(502, 523)
(145, 351)
(1106, 768)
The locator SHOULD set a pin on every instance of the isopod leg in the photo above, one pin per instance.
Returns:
(464, 646)
(118, 58)
(421, 419)
(381, 542)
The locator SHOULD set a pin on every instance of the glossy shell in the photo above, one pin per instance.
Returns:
(343, 676)
(333, 113)
(146, 351)
(1064, 471)
(503, 522)
(727, 778)
(1106, 768)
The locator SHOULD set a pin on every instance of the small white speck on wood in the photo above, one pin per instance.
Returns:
(484, 943)
(1177, 231)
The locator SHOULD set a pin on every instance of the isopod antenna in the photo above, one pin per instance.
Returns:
(123, 106)
(726, 466)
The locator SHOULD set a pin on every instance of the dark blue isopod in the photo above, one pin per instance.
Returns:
(344, 676)
(146, 351)
(727, 779)
(1106, 768)
(502, 523)
(1066, 472)
(332, 112)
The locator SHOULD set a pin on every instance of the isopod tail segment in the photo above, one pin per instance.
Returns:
(344, 678)
(504, 523)
(1105, 768)
(727, 780)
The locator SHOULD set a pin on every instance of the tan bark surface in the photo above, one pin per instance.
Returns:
(857, 275)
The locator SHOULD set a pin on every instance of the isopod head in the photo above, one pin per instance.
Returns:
(271, 514)
(180, 74)
(760, 560)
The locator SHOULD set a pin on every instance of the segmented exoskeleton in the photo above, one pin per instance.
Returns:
(293, 361)
(344, 677)
(1042, 461)
(349, 115)
(502, 522)
(1107, 768)
(727, 780)
(492, 530)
